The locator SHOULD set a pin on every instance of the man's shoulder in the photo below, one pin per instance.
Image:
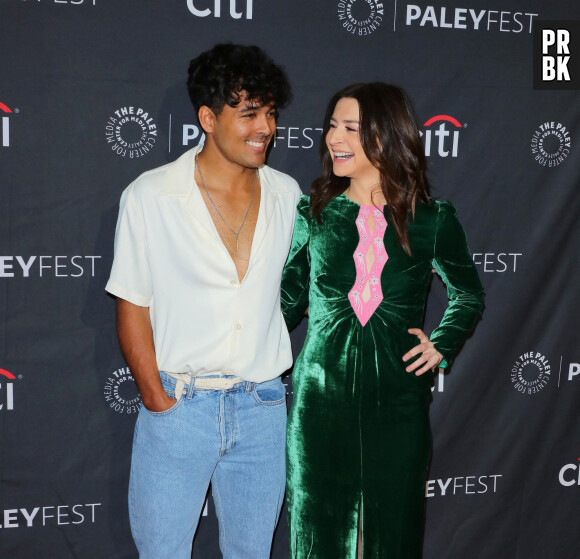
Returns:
(171, 178)
(280, 182)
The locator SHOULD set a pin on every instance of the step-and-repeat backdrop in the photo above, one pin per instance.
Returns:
(92, 93)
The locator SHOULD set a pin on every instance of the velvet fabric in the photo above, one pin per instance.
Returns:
(359, 439)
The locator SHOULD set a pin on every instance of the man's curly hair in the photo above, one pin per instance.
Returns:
(219, 76)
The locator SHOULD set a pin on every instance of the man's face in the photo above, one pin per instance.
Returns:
(242, 134)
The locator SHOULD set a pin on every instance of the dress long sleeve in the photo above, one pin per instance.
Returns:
(454, 264)
(296, 275)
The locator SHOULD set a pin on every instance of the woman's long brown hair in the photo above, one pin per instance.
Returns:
(390, 139)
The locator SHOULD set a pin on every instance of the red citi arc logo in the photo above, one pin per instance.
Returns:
(445, 141)
(5, 127)
(6, 391)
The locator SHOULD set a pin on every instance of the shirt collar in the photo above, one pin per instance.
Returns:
(178, 180)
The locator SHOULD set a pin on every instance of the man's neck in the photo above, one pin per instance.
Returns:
(221, 173)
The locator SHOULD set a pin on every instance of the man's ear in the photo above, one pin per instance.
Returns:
(207, 119)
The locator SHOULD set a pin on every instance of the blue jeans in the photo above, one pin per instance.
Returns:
(234, 438)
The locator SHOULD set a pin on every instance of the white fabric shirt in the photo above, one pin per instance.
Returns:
(169, 257)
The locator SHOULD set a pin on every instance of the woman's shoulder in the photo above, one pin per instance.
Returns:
(434, 210)
(303, 206)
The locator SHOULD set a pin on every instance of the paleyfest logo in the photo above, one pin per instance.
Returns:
(130, 131)
(462, 485)
(50, 515)
(6, 390)
(68, 2)
(360, 17)
(551, 144)
(445, 17)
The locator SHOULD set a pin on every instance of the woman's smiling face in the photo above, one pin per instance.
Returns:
(343, 142)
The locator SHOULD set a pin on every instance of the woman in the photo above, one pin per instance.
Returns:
(364, 246)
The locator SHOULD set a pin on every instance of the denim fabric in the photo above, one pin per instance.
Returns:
(233, 438)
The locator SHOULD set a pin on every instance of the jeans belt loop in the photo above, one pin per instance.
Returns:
(215, 383)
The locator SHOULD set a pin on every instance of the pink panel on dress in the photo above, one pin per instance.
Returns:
(365, 309)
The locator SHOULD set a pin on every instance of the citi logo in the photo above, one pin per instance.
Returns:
(217, 8)
(6, 390)
(439, 382)
(443, 137)
(570, 475)
(5, 128)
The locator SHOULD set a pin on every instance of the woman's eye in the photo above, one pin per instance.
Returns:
(351, 129)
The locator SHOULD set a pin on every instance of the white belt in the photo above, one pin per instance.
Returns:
(213, 383)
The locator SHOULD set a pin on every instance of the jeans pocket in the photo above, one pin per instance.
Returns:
(169, 388)
(270, 393)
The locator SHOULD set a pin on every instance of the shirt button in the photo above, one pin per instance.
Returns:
(233, 282)
(238, 326)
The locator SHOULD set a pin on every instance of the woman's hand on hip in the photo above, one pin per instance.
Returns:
(428, 358)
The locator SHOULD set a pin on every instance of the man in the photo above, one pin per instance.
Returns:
(199, 250)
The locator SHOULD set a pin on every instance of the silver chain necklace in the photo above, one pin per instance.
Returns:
(236, 235)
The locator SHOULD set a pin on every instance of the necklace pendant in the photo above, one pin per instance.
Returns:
(237, 244)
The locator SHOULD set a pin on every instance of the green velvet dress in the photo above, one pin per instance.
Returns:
(359, 439)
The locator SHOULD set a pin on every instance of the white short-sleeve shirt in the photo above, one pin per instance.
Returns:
(169, 257)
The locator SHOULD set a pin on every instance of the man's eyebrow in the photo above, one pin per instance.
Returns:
(252, 108)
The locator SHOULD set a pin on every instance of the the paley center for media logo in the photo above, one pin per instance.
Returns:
(530, 372)
(131, 132)
(361, 17)
(120, 392)
(551, 144)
